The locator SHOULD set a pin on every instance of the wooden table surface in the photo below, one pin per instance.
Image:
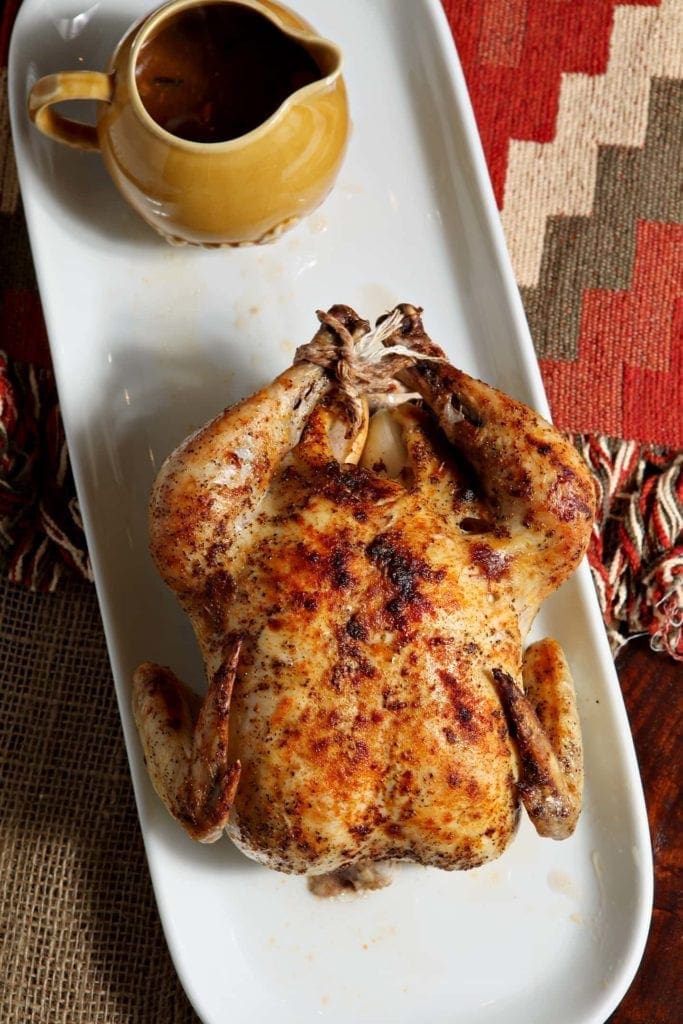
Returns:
(653, 691)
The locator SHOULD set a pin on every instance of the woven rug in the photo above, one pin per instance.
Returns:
(580, 108)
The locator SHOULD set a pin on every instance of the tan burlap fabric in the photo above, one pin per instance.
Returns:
(80, 939)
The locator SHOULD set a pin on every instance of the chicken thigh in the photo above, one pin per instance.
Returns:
(361, 604)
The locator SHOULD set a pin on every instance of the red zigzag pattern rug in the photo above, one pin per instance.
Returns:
(580, 110)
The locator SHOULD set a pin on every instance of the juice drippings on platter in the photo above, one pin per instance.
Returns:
(215, 72)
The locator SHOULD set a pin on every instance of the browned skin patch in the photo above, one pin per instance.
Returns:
(491, 563)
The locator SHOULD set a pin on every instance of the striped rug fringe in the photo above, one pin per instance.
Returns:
(41, 533)
(636, 550)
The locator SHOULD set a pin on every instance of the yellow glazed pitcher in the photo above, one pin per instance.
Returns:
(222, 122)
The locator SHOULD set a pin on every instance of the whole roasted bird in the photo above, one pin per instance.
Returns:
(361, 597)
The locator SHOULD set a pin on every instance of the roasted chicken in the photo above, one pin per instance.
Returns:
(361, 595)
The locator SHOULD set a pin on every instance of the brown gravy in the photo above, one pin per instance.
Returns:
(216, 72)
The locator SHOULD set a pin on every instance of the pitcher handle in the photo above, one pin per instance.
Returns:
(68, 85)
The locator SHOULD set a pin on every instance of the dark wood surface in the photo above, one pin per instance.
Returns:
(653, 690)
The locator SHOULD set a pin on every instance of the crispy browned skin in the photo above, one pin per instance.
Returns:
(380, 621)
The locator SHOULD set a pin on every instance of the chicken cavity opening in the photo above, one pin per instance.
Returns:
(363, 876)
(385, 450)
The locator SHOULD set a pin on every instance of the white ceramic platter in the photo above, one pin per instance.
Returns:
(148, 343)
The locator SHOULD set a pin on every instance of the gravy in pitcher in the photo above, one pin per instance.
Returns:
(217, 71)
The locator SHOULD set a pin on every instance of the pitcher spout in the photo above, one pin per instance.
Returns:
(325, 54)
